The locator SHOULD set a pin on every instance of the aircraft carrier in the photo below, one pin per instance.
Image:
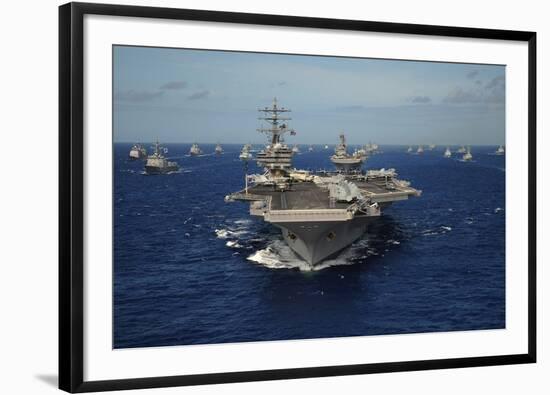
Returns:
(343, 160)
(321, 213)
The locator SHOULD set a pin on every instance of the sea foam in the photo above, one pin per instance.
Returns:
(278, 255)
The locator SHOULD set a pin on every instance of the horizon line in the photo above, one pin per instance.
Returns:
(313, 144)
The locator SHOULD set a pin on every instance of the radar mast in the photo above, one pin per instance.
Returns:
(272, 116)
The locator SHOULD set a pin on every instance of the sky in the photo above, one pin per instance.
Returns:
(204, 96)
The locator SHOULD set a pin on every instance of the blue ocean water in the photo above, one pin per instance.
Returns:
(192, 269)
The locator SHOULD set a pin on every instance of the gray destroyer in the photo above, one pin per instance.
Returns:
(158, 164)
(319, 214)
(195, 150)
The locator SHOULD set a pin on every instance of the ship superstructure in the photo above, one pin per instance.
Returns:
(137, 152)
(500, 150)
(447, 153)
(468, 155)
(360, 152)
(218, 150)
(276, 157)
(195, 150)
(319, 214)
(158, 164)
(245, 153)
(371, 148)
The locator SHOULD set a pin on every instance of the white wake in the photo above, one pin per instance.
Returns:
(278, 255)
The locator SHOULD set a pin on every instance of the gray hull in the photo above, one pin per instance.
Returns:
(317, 241)
(160, 170)
(346, 167)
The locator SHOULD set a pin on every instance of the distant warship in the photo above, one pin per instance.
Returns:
(245, 153)
(158, 164)
(319, 214)
(447, 153)
(218, 150)
(310, 149)
(371, 148)
(137, 152)
(343, 161)
(410, 149)
(295, 149)
(420, 150)
(461, 150)
(468, 155)
(431, 147)
(362, 152)
(500, 150)
(195, 150)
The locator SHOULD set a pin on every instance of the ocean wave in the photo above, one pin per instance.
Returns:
(437, 231)
(233, 244)
(243, 221)
(228, 233)
(198, 156)
(179, 171)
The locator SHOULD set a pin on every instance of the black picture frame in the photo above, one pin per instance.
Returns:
(71, 195)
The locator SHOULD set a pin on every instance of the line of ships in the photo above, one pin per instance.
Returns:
(466, 152)
(158, 164)
(319, 213)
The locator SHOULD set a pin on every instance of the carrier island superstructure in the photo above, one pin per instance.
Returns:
(319, 214)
